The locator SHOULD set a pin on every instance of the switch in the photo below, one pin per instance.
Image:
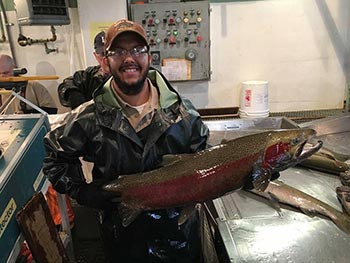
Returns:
(191, 54)
(155, 57)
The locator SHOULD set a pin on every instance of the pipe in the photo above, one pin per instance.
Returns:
(3, 37)
(24, 41)
(8, 31)
(49, 50)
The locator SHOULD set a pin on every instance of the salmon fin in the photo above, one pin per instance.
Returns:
(260, 178)
(224, 141)
(127, 214)
(170, 159)
(307, 212)
(345, 178)
(272, 199)
(274, 202)
(185, 214)
(336, 155)
(343, 195)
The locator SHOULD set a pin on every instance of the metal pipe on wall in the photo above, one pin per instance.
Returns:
(3, 37)
(341, 47)
(8, 31)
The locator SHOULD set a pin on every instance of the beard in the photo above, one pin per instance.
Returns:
(130, 89)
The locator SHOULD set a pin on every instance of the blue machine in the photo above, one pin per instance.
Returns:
(22, 153)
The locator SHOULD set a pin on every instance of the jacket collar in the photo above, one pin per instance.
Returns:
(109, 112)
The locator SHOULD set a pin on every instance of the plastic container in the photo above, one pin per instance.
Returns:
(254, 101)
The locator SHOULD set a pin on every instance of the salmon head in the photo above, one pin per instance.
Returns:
(284, 149)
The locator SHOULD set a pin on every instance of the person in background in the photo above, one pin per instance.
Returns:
(135, 118)
(33, 91)
(78, 88)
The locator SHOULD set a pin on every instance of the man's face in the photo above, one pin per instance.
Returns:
(99, 58)
(129, 71)
(6, 70)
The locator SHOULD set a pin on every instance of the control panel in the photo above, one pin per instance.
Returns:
(179, 37)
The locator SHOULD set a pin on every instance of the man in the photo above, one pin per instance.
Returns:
(78, 88)
(33, 91)
(135, 119)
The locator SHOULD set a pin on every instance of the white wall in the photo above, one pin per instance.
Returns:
(299, 46)
(284, 42)
(93, 12)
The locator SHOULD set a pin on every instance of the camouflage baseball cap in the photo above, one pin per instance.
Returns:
(120, 27)
(99, 42)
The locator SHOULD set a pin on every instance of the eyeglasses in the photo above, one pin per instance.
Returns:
(121, 52)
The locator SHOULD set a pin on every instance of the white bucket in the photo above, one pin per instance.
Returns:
(254, 99)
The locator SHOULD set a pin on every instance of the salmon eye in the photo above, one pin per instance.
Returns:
(295, 141)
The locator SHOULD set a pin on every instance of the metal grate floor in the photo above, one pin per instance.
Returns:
(305, 116)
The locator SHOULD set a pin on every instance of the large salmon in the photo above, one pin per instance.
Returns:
(208, 174)
(286, 194)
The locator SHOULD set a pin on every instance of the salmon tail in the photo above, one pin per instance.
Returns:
(128, 214)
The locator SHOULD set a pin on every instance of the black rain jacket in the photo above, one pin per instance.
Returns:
(100, 133)
(79, 88)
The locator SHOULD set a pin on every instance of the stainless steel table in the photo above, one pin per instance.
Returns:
(254, 231)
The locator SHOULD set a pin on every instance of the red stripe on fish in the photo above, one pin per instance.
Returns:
(195, 187)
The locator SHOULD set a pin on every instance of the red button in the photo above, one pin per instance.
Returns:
(199, 38)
